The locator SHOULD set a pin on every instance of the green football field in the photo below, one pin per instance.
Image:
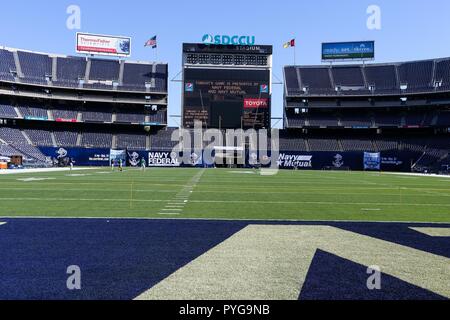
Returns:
(226, 194)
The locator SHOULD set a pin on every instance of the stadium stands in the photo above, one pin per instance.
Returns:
(387, 119)
(7, 65)
(97, 140)
(323, 120)
(382, 78)
(324, 144)
(162, 140)
(131, 141)
(135, 75)
(7, 111)
(36, 68)
(66, 138)
(64, 113)
(99, 115)
(158, 117)
(417, 75)
(356, 120)
(443, 73)
(317, 80)
(104, 70)
(39, 137)
(70, 70)
(12, 136)
(358, 145)
(34, 112)
(130, 117)
(348, 77)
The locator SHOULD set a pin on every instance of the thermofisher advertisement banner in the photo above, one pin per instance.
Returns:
(348, 50)
(103, 45)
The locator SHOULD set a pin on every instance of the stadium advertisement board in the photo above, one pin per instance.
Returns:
(103, 45)
(319, 160)
(116, 156)
(372, 161)
(396, 162)
(163, 159)
(81, 156)
(348, 50)
(227, 98)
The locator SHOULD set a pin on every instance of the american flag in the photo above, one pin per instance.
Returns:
(151, 43)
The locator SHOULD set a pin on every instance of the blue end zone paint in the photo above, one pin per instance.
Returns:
(334, 278)
(118, 260)
(403, 235)
(122, 258)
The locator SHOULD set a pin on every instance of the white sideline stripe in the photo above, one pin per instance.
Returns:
(263, 262)
(417, 175)
(171, 209)
(294, 221)
(433, 232)
(169, 213)
(370, 209)
(23, 171)
(238, 201)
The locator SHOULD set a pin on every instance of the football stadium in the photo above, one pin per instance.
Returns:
(235, 175)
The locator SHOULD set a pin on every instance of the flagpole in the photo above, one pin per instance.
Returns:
(295, 50)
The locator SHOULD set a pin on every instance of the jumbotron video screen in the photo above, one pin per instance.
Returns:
(227, 87)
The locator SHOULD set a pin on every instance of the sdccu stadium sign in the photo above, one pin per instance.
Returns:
(228, 40)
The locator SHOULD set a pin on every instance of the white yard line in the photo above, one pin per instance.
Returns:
(181, 199)
(235, 201)
(417, 174)
(23, 171)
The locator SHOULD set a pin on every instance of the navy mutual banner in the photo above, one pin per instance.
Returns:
(348, 50)
(319, 160)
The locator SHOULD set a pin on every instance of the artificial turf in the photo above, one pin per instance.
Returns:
(226, 194)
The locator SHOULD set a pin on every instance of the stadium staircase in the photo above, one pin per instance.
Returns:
(330, 74)
(26, 137)
(363, 72)
(433, 73)
(114, 141)
(79, 139)
(17, 62)
(147, 142)
(52, 135)
(121, 69)
(50, 115)
(54, 68)
(18, 112)
(88, 71)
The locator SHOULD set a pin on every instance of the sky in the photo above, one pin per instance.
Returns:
(410, 30)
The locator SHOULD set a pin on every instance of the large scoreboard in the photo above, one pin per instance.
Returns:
(227, 86)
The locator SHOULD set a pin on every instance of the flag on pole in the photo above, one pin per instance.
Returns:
(151, 43)
(289, 44)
